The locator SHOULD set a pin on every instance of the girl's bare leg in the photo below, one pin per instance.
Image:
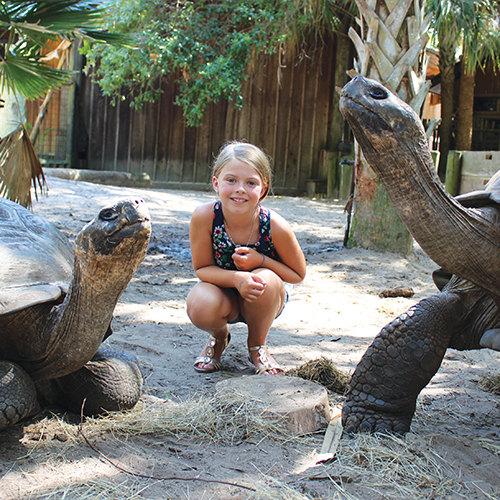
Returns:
(261, 313)
(210, 308)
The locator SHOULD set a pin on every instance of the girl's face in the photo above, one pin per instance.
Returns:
(239, 186)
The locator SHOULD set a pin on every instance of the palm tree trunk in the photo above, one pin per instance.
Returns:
(447, 49)
(389, 47)
(465, 110)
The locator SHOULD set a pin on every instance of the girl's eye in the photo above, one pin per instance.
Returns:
(252, 183)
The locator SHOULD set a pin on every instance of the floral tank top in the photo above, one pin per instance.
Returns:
(224, 247)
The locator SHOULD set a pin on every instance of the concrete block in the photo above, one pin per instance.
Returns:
(477, 169)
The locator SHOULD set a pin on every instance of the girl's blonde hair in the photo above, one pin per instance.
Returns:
(247, 153)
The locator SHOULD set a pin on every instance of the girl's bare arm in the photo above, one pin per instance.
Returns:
(200, 234)
(292, 267)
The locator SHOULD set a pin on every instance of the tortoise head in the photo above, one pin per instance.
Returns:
(120, 232)
(382, 123)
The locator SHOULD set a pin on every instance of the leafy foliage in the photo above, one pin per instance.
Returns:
(211, 44)
(27, 26)
(471, 25)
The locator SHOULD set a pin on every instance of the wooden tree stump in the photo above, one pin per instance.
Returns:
(301, 404)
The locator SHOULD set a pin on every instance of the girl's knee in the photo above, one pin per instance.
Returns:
(274, 292)
(274, 283)
(207, 303)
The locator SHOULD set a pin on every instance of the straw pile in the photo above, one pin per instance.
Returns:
(490, 384)
(207, 418)
(324, 372)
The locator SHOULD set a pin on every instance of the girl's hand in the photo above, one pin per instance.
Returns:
(247, 259)
(250, 286)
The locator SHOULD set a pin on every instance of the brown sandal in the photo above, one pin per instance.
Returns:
(208, 359)
(265, 363)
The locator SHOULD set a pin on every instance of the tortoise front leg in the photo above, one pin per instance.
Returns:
(110, 381)
(17, 394)
(399, 363)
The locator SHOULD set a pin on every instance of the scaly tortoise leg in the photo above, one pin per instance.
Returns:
(110, 381)
(400, 362)
(17, 394)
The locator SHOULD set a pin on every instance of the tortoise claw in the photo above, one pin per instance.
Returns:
(359, 418)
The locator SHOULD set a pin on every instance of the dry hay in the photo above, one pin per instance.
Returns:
(365, 466)
(388, 466)
(324, 372)
(89, 489)
(276, 490)
(490, 445)
(227, 423)
(490, 384)
(49, 440)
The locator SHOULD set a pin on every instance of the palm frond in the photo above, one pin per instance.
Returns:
(30, 78)
(66, 19)
(19, 168)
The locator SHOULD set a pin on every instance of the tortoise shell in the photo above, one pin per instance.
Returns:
(36, 259)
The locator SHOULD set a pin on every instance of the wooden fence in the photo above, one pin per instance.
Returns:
(287, 111)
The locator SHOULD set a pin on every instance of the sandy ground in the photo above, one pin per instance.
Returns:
(335, 312)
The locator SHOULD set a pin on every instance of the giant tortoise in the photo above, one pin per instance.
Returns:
(462, 235)
(56, 306)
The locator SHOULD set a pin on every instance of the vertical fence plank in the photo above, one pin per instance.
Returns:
(122, 143)
(326, 92)
(176, 150)
(257, 96)
(189, 163)
(204, 146)
(150, 114)
(308, 121)
(296, 124)
(97, 129)
(284, 118)
(268, 122)
(166, 105)
(243, 116)
(222, 113)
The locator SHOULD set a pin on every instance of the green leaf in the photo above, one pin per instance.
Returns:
(31, 78)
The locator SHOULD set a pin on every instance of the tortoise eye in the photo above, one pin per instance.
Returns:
(378, 93)
(108, 214)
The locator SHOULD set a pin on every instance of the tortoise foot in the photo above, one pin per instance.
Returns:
(17, 394)
(357, 417)
(110, 381)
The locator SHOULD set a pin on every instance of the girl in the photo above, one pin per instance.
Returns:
(242, 269)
